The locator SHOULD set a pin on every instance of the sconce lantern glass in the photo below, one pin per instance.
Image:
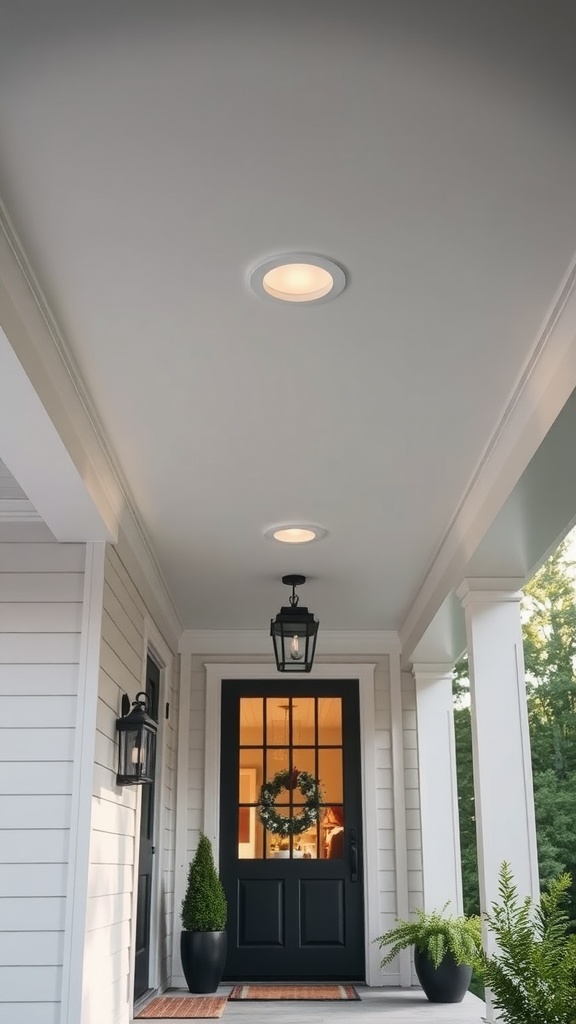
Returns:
(136, 743)
(294, 632)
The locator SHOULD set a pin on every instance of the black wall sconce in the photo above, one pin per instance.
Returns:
(136, 742)
(294, 632)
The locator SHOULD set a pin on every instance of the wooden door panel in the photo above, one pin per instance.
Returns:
(322, 920)
(296, 906)
(261, 912)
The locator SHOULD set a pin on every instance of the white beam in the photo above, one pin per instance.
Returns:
(37, 457)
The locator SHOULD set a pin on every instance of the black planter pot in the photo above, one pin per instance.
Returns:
(203, 955)
(447, 983)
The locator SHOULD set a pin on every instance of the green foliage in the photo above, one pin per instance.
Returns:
(204, 907)
(549, 632)
(435, 934)
(532, 974)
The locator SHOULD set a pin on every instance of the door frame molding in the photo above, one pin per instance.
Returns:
(364, 674)
(155, 646)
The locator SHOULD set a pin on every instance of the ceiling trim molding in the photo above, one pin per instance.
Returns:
(14, 510)
(257, 642)
(543, 388)
(44, 355)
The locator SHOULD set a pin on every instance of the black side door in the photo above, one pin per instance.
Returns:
(146, 855)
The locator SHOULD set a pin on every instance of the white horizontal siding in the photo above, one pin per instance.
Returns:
(30, 1013)
(41, 617)
(36, 744)
(38, 984)
(55, 777)
(35, 680)
(32, 914)
(42, 712)
(21, 949)
(27, 880)
(113, 841)
(41, 593)
(20, 846)
(51, 811)
(42, 586)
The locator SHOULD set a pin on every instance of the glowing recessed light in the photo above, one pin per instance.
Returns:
(298, 277)
(288, 533)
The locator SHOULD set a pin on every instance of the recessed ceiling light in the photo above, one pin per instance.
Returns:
(297, 277)
(290, 533)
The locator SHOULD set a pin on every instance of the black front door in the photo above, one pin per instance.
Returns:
(295, 901)
(145, 857)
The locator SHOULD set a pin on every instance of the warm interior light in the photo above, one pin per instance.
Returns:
(294, 535)
(295, 652)
(298, 282)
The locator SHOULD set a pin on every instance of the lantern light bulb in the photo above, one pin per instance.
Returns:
(295, 652)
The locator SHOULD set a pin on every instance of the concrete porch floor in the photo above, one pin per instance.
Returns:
(406, 1006)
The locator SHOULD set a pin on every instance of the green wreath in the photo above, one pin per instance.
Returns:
(279, 824)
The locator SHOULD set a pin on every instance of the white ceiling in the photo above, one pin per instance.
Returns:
(152, 153)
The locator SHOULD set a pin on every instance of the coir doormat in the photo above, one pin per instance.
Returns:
(300, 992)
(183, 1007)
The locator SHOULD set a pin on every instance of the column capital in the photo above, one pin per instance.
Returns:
(490, 590)
(427, 670)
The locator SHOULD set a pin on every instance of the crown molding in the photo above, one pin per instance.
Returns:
(18, 511)
(541, 391)
(244, 642)
(46, 359)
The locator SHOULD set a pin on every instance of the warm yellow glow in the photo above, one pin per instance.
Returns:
(294, 535)
(295, 653)
(298, 282)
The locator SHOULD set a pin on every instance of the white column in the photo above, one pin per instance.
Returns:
(441, 868)
(505, 821)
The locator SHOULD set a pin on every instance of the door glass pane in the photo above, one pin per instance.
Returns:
(305, 761)
(303, 722)
(277, 721)
(281, 735)
(277, 761)
(330, 772)
(251, 721)
(330, 721)
(332, 832)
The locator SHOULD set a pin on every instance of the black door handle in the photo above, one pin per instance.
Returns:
(353, 856)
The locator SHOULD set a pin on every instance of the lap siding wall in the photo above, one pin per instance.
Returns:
(41, 594)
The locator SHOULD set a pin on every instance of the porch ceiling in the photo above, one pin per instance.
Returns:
(152, 153)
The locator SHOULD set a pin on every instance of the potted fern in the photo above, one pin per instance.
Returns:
(445, 948)
(532, 973)
(204, 913)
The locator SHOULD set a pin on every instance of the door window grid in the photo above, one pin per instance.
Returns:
(279, 747)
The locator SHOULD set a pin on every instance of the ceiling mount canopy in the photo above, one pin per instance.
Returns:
(297, 277)
(294, 632)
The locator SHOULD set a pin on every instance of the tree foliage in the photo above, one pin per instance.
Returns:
(549, 632)
(532, 974)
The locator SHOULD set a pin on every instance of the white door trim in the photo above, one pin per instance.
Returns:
(364, 673)
(155, 646)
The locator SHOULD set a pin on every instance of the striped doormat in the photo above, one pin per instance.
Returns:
(183, 1008)
(310, 993)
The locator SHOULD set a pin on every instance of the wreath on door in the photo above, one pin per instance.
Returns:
(280, 824)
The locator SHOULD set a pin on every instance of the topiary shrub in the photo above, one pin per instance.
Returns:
(204, 907)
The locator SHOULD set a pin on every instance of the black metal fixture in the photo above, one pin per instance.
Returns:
(137, 742)
(294, 632)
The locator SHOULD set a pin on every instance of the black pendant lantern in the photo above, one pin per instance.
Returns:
(137, 742)
(294, 632)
